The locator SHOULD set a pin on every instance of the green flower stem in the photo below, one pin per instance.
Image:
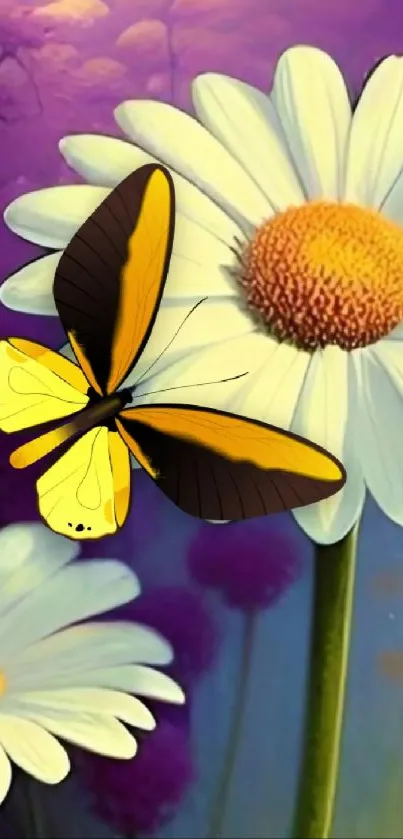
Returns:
(241, 693)
(333, 603)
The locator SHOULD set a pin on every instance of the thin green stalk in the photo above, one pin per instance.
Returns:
(35, 808)
(241, 692)
(333, 604)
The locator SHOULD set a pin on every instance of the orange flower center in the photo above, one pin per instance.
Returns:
(326, 273)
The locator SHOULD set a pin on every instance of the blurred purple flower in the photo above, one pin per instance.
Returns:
(250, 564)
(183, 618)
(17, 488)
(140, 795)
(139, 529)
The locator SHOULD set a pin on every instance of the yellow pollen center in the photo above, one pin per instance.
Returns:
(326, 273)
(3, 683)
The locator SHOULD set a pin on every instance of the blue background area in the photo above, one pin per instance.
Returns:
(369, 802)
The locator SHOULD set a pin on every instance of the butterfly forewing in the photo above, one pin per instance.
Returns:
(110, 279)
(219, 466)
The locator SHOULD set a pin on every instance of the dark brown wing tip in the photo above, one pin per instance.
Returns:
(301, 490)
(313, 490)
(144, 173)
(172, 198)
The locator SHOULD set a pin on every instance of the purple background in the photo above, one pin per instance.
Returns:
(63, 71)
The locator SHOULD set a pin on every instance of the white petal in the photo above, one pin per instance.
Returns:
(197, 250)
(179, 332)
(134, 463)
(143, 681)
(78, 592)
(96, 732)
(131, 678)
(375, 151)
(33, 749)
(392, 206)
(31, 288)
(105, 161)
(30, 555)
(271, 393)
(210, 376)
(101, 160)
(246, 123)
(379, 373)
(180, 141)
(92, 700)
(67, 351)
(325, 415)
(5, 774)
(50, 217)
(197, 274)
(85, 648)
(396, 334)
(314, 109)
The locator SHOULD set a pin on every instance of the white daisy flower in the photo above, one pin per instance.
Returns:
(289, 221)
(59, 680)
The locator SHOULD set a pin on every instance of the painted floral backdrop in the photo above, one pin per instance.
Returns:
(64, 66)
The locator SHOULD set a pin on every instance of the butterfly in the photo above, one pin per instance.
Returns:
(107, 289)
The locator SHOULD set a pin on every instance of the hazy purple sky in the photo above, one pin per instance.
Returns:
(65, 65)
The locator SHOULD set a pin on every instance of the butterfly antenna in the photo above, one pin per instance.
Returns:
(189, 314)
(195, 384)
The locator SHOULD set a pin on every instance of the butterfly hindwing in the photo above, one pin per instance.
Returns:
(37, 385)
(218, 466)
(110, 279)
(86, 493)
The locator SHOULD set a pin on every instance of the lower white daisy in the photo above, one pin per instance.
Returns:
(59, 680)
(289, 220)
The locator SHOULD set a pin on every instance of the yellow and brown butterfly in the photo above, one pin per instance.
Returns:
(107, 289)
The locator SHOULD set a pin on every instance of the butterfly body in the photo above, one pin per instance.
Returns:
(103, 409)
(107, 288)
